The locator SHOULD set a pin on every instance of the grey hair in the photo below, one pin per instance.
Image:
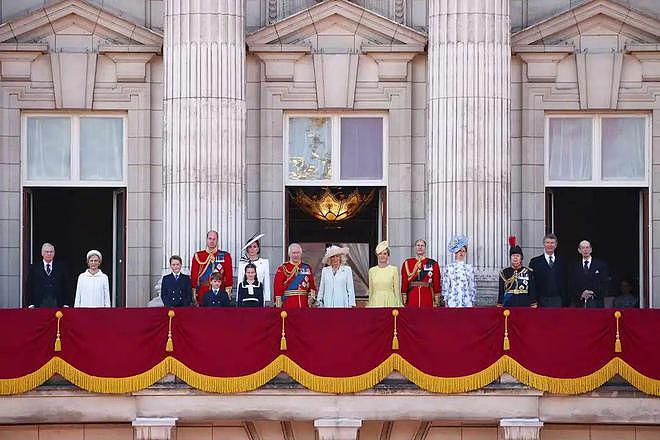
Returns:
(293, 245)
(47, 245)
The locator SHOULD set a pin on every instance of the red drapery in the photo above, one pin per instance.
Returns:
(331, 350)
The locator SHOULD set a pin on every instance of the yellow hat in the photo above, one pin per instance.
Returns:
(381, 246)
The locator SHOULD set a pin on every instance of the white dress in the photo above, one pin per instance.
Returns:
(92, 290)
(336, 289)
(263, 275)
(458, 285)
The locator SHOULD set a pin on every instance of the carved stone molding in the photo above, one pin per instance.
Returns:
(335, 74)
(542, 66)
(337, 429)
(280, 66)
(649, 58)
(392, 66)
(154, 428)
(17, 66)
(130, 67)
(521, 429)
(78, 93)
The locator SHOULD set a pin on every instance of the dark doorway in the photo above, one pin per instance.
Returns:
(610, 218)
(76, 220)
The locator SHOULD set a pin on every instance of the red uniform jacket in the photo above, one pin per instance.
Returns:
(293, 283)
(420, 280)
(204, 264)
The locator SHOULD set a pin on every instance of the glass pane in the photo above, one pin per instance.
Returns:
(362, 148)
(570, 146)
(101, 148)
(310, 149)
(624, 152)
(48, 148)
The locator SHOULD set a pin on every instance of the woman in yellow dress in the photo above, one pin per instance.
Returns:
(384, 288)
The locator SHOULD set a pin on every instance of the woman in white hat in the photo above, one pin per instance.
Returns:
(336, 289)
(252, 254)
(93, 289)
(384, 289)
(458, 285)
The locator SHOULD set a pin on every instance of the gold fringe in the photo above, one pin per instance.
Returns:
(169, 346)
(617, 341)
(395, 339)
(58, 342)
(643, 383)
(29, 381)
(283, 315)
(506, 346)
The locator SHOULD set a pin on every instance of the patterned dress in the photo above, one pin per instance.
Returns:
(458, 285)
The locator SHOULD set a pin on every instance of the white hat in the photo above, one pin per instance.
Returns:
(383, 245)
(332, 251)
(251, 240)
(94, 252)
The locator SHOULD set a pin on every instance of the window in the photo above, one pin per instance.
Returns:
(604, 150)
(327, 149)
(70, 150)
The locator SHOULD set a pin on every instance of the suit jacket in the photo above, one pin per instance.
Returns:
(176, 293)
(596, 279)
(550, 281)
(45, 290)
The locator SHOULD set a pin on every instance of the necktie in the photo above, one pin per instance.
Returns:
(176, 277)
(552, 261)
(48, 269)
(586, 265)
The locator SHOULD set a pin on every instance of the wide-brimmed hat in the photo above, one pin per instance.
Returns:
(383, 245)
(457, 242)
(332, 251)
(251, 240)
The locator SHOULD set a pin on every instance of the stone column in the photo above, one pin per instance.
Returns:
(468, 171)
(205, 112)
(521, 429)
(153, 428)
(337, 429)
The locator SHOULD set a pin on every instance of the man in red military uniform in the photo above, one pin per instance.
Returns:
(209, 261)
(420, 279)
(294, 282)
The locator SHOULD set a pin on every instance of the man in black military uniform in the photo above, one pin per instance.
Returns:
(516, 281)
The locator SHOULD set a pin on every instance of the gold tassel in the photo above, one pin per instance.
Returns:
(395, 338)
(169, 347)
(58, 342)
(617, 342)
(506, 346)
(283, 314)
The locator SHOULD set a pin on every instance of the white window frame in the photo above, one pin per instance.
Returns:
(74, 180)
(596, 150)
(335, 130)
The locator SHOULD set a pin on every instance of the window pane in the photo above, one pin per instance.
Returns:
(570, 146)
(48, 148)
(101, 148)
(310, 149)
(624, 153)
(362, 148)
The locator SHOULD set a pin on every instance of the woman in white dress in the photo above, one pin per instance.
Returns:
(458, 284)
(336, 288)
(93, 289)
(252, 254)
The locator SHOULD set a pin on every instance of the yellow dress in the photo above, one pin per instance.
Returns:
(384, 288)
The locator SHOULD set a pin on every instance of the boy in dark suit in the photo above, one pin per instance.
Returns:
(217, 296)
(590, 278)
(48, 282)
(550, 275)
(176, 288)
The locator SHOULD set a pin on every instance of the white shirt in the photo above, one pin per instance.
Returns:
(588, 264)
(92, 290)
(51, 265)
(263, 274)
(547, 258)
(336, 289)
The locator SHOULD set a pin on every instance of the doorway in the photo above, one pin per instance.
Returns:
(613, 220)
(76, 220)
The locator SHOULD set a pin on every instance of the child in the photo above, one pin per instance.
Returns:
(176, 288)
(216, 296)
(250, 291)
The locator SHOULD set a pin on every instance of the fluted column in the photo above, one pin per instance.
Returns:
(468, 172)
(205, 114)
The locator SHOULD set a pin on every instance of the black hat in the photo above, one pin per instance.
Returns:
(513, 247)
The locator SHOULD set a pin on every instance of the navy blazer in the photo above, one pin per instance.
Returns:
(550, 282)
(176, 293)
(595, 279)
(45, 290)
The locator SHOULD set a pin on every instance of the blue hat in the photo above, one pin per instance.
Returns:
(456, 243)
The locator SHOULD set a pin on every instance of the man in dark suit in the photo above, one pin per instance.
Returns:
(590, 278)
(176, 288)
(48, 281)
(550, 275)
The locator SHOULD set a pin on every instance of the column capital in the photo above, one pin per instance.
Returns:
(521, 429)
(337, 429)
(153, 428)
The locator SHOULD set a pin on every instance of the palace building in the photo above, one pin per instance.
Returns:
(135, 126)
